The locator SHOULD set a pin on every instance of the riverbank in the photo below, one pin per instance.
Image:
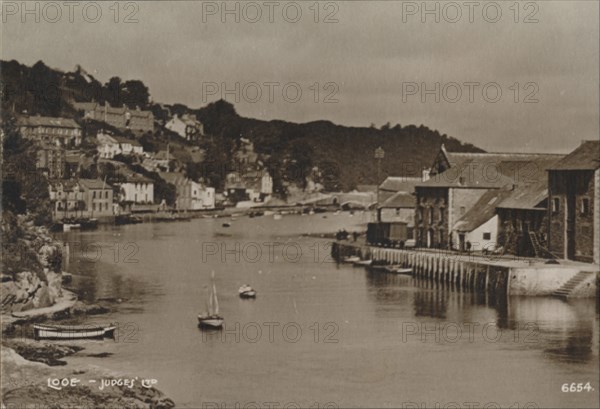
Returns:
(27, 384)
(30, 367)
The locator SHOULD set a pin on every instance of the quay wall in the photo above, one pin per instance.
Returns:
(477, 273)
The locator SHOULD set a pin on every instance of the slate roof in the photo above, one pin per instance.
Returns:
(483, 210)
(526, 197)
(399, 200)
(489, 171)
(121, 139)
(175, 178)
(47, 121)
(94, 106)
(94, 184)
(400, 184)
(585, 157)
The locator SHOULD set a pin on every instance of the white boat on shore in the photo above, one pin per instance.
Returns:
(277, 216)
(351, 259)
(363, 263)
(42, 331)
(211, 318)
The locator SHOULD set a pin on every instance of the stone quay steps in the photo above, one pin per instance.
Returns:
(567, 288)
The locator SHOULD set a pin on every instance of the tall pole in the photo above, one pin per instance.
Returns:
(379, 154)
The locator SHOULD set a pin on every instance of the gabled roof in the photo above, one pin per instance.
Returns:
(585, 157)
(121, 140)
(526, 197)
(94, 106)
(400, 184)
(400, 200)
(482, 211)
(137, 178)
(175, 178)
(163, 155)
(94, 184)
(47, 121)
(489, 171)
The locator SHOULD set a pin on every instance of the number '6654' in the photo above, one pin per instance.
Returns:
(576, 387)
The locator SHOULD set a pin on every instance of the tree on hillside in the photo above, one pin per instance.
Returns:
(112, 91)
(135, 94)
(24, 189)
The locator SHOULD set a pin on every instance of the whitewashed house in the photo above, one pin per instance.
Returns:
(186, 126)
(137, 189)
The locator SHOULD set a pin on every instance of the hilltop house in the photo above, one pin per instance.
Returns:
(61, 132)
(186, 126)
(190, 195)
(111, 145)
(119, 117)
(574, 204)
(457, 181)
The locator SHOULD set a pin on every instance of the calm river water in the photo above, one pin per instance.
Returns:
(320, 334)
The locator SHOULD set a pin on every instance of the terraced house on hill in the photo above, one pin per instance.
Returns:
(119, 117)
(60, 132)
(574, 204)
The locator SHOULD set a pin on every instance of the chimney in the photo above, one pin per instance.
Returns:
(425, 175)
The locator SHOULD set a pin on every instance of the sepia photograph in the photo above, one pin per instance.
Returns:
(305, 204)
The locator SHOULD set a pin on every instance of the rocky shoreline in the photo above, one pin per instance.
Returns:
(29, 365)
(34, 375)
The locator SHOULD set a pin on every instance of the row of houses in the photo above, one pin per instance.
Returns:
(531, 205)
(123, 118)
(94, 198)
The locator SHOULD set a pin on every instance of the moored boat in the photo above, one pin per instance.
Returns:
(211, 318)
(351, 259)
(400, 270)
(246, 291)
(42, 331)
(363, 263)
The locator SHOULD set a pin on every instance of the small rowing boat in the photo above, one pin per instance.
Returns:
(400, 270)
(351, 259)
(363, 263)
(247, 292)
(41, 331)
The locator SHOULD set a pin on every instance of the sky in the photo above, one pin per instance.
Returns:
(506, 76)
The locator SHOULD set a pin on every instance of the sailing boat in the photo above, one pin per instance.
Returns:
(211, 318)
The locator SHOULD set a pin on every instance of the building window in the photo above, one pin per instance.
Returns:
(441, 215)
(441, 236)
(463, 210)
(430, 215)
(94, 206)
(585, 206)
(398, 211)
(106, 194)
(94, 194)
(555, 205)
(487, 236)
